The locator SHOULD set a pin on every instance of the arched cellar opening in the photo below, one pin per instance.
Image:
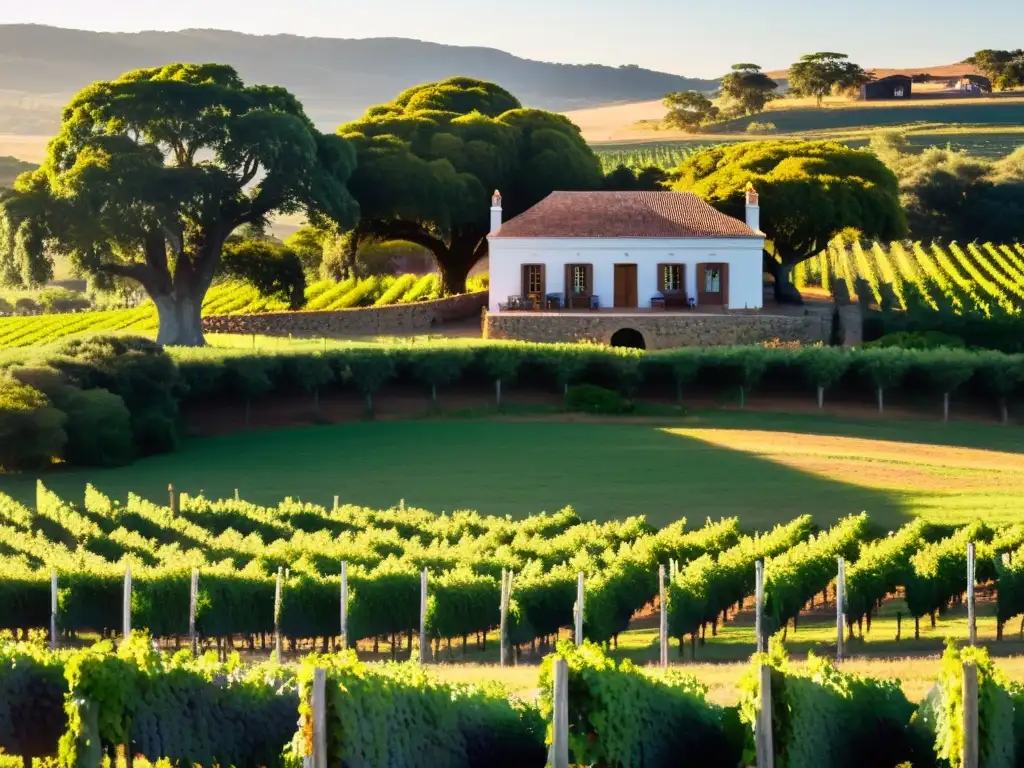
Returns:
(628, 337)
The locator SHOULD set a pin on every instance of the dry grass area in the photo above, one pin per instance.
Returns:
(877, 463)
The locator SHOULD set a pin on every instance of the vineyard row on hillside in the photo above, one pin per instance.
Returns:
(984, 279)
(228, 298)
(240, 549)
(82, 706)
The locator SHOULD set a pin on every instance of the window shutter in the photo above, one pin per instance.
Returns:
(568, 281)
(589, 278)
(724, 272)
(659, 281)
(524, 279)
(543, 281)
(682, 279)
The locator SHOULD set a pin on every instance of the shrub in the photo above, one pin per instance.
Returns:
(98, 425)
(61, 300)
(98, 428)
(273, 270)
(589, 398)
(918, 340)
(6, 308)
(140, 372)
(25, 306)
(31, 429)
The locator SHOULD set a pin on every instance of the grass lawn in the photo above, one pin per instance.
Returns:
(765, 468)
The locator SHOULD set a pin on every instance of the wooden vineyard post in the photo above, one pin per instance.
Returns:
(970, 757)
(344, 605)
(972, 623)
(840, 607)
(578, 630)
(337, 502)
(559, 757)
(759, 604)
(237, 498)
(506, 596)
(53, 611)
(424, 644)
(193, 606)
(318, 703)
(277, 617)
(662, 620)
(172, 499)
(126, 608)
(763, 737)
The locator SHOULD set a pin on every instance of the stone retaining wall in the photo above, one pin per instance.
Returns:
(368, 321)
(660, 331)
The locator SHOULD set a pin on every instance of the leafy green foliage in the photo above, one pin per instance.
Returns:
(396, 714)
(32, 691)
(429, 160)
(794, 576)
(689, 110)
(823, 717)
(619, 716)
(590, 398)
(882, 566)
(31, 429)
(275, 271)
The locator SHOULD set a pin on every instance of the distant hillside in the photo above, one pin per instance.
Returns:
(40, 67)
(10, 168)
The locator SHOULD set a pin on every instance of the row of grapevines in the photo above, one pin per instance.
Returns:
(792, 578)
(883, 566)
(709, 586)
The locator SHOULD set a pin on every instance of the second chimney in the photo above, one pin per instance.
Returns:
(753, 209)
(496, 212)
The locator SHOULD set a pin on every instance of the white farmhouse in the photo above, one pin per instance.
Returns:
(625, 252)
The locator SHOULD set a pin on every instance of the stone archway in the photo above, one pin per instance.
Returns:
(628, 337)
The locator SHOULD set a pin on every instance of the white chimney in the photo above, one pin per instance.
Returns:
(496, 212)
(753, 209)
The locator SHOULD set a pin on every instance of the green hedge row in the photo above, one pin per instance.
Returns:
(106, 399)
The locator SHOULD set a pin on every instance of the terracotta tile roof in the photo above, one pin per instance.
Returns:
(624, 214)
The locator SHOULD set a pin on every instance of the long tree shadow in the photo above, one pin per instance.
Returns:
(604, 470)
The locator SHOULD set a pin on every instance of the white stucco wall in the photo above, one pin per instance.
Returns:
(743, 255)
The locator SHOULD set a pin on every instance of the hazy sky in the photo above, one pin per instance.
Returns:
(693, 37)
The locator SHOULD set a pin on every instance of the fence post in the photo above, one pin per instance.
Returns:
(237, 497)
(126, 608)
(840, 607)
(277, 617)
(578, 637)
(663, 620)
(193, 606)
(970, 755)
(506, 589)
(53, 611)
(559, 757)
(337, 502)
(424, 643)
(759, 604)
(344, 605)
(972, 623)
(764, 741)
(173, 499)
(318, 703)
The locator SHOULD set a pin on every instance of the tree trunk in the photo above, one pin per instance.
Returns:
(785, 291)
(180, 316)
(455, 261)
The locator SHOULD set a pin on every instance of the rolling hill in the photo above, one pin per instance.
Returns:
(336, 79)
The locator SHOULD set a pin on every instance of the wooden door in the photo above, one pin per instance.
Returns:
(625, 286)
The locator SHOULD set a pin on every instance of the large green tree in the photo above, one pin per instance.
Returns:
(430, 159)
(1004, 68)
(746, 89)
(819, 74)
(809, 192)
(688, 110)
(152, 172)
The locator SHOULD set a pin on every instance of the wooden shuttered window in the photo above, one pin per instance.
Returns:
(713, 283)
(579, 279)
(534, 280)
(671, 278)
